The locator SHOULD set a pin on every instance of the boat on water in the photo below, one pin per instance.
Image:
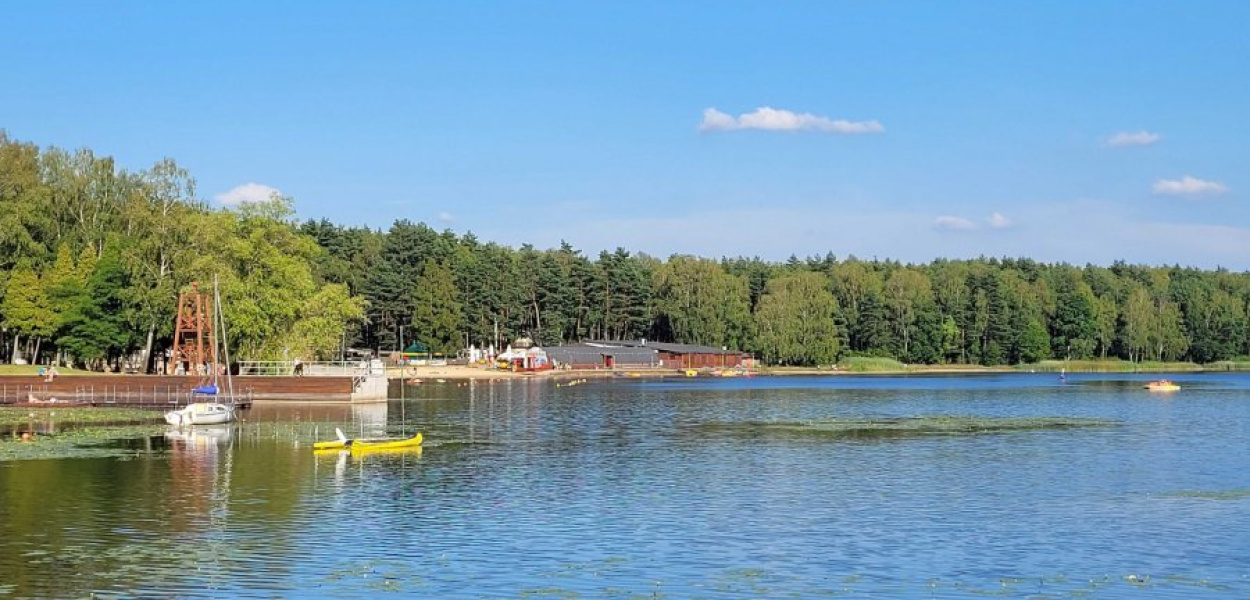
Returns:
(213, 409)
(201, 413)
(365, 444)
(393, 444)
(1162, 385)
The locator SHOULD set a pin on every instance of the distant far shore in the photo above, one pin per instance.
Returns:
(849, 366)
(427, 374)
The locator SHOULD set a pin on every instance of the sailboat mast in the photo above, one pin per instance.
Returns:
(225, 346)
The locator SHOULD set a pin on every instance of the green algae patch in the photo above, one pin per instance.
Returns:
(908, 426)
(1237, 494)
(117, 441)
(19, 416)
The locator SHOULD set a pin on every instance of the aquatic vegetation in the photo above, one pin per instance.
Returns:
(870, 364)
(80, 442)
(135, 438)
(907, 426)
(1237, 494)
(15, 416)
(1113, 365)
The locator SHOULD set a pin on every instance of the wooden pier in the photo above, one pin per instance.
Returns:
(166, 391)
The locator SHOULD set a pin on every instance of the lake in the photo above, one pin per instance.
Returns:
(1006, 485)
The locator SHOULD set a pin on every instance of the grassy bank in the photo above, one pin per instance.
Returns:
(871, 364)
(1241, 363)
(875, 364)
(33, 370)
(1109, 366)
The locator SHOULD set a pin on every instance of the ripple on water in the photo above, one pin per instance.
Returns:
(625, 490)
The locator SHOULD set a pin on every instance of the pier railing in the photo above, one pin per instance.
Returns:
(358, 370)
(141, 396)
(289, 368)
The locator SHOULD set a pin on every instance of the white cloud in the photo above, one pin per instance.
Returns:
(248, 192)
(446, 217)
(772, 119)
(1132, 138)
(1188, 185)
(950, 222)
(998, 221)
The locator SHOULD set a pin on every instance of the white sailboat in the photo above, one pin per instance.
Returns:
(214, 410)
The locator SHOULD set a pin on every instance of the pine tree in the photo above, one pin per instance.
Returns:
(437, 317)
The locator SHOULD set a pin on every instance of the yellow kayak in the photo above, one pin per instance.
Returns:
(345, 443)
(367, 445)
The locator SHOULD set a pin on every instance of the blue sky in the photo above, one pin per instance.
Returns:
(1060, 131)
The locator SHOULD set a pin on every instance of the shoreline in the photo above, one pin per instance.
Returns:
(428, 374)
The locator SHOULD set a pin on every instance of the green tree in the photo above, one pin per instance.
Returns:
(25, 225)
(1137, 323)
(697, 302)
(908, 293)
(794, 322)
(1074, 328)
(98, 329)
(437, 319)
(26, 308)
(324, 320)
(1034, 342)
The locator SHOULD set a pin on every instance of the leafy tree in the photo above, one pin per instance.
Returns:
(98, 328)
(26, 308)
(908, 293)
(697, 302)
(794, 323)
(1074, 328)
(1137, 322)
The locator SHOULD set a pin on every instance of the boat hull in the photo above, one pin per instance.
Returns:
(200, 413)
(364, 445)
(368, 445)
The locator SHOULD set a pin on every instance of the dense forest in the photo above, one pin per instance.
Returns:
(92, 258)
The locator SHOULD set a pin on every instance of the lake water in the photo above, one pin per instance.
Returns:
(677, 489)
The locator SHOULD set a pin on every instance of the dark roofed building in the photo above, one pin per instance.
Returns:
(601, 356)
(685, 356)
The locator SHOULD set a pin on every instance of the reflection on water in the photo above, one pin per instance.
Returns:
(630, 489)
(370, 416)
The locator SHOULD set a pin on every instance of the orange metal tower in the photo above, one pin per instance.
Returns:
(195, 347)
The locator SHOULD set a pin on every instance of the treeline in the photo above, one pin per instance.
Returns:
(92, 259)
(448, 291)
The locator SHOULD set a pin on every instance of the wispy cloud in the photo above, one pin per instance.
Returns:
(998, 221)
(248, 192)
(955, 223)
(767, 118)
(1132, 138)
(1094, 231)
(446, 217)
(1188, 186)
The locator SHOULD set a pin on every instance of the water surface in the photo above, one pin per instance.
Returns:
(665, 489)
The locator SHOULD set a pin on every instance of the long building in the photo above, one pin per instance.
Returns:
(639, 353)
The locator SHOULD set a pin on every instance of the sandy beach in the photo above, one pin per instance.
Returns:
(480, 372)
